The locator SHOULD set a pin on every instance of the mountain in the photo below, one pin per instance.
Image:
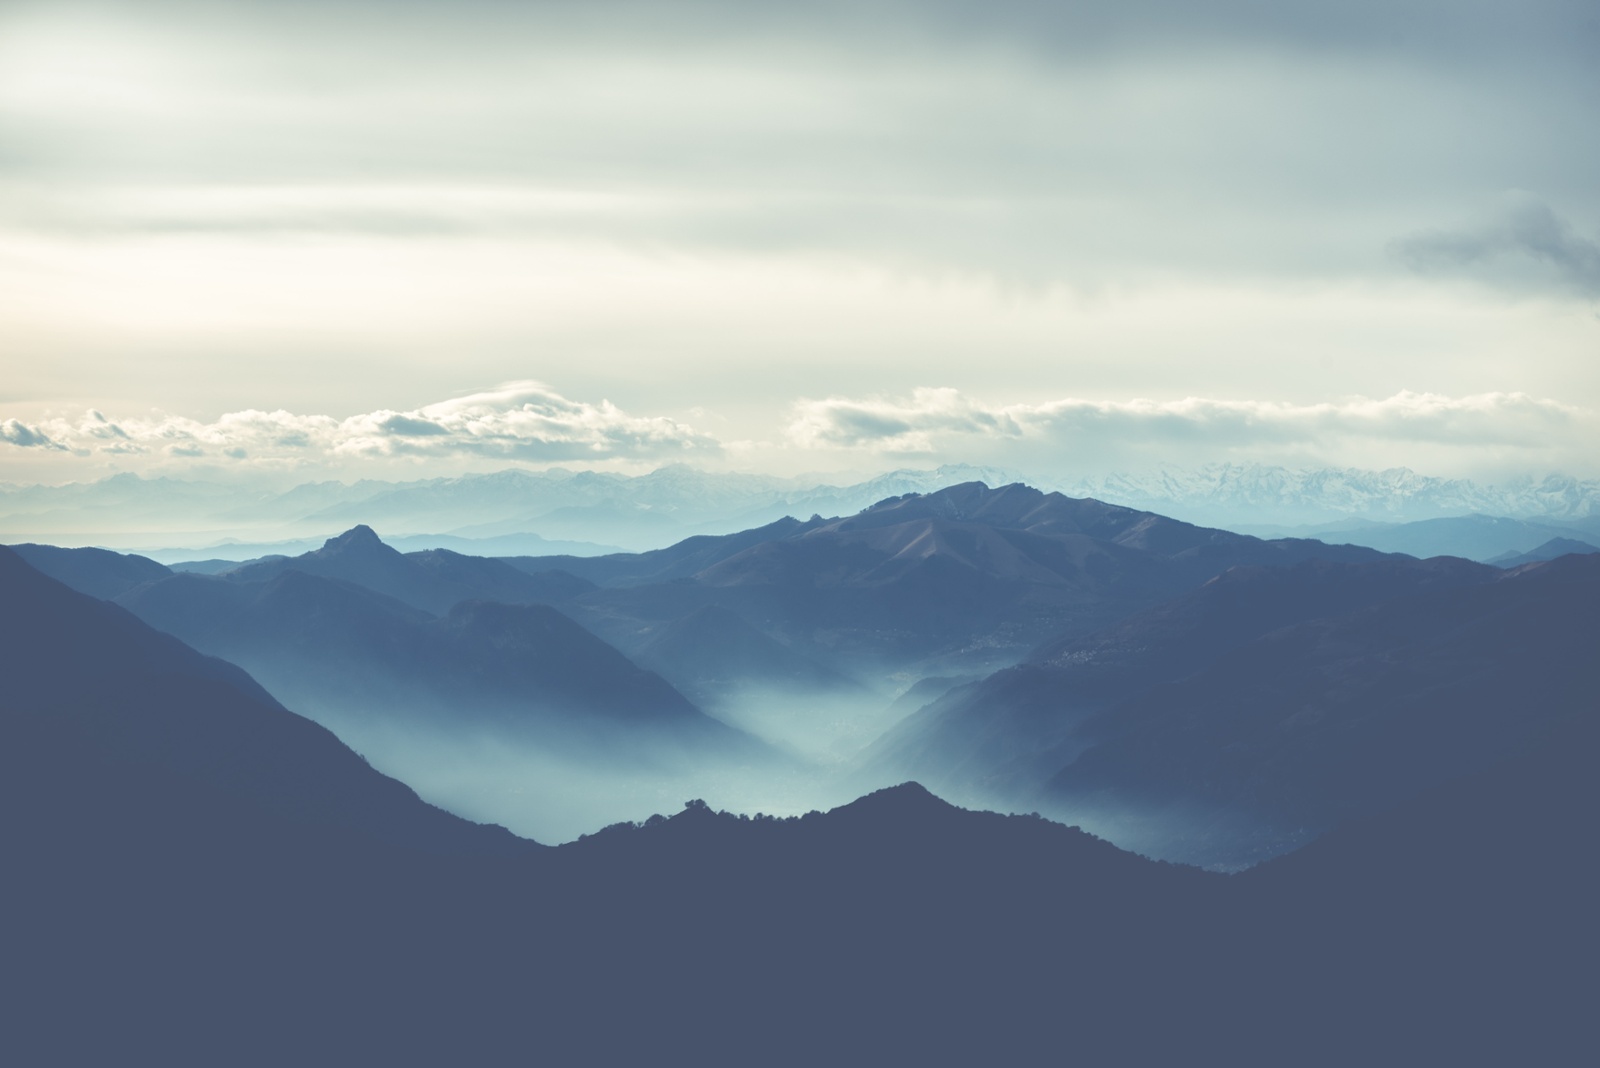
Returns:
(1470, 905)
(204, 873)
(343, 653)
(87, 680)
(679, 561)
(1229, 494)
(664, 506)
(164, 884)
(432, 580)
(638, 512)
(965, 579)
(96, 572)
(137, 503)
(661, 506)
(1345, 715)
(1475, 537)
(1550, 550)
(225, 554)
(1004, 736)
(713, 655)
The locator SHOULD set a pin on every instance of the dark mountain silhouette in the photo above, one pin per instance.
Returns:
(1550, 550)
(1010, 732)
(681, 560)
(1347, 715)
(97, 572)
(432, 580)
(964, 580)
(86, 676)
(1459, 923)
(1475, 537)
(206, 875)
(967, 577)
(337, 649)
(163, 901)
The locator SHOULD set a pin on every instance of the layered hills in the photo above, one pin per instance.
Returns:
(332, 645)
(85, 681)
(433, 580)
(664, 506)
(1549, 550)
(1270, 703)
(97, 572)
(1021, 719)
(198, 876)
(964, 578)
(1348, 714)
(962, 581)
(1109, 628)
(347, 634)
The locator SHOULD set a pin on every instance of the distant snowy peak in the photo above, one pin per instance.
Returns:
(571, 508)
(850, 499)
(1262, 493)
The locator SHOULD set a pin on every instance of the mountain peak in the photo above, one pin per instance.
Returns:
(906, 799)
(357, 537)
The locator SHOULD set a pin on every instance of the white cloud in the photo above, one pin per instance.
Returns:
(522, 420)
(516, 420)
(935, 420)
(26, 437)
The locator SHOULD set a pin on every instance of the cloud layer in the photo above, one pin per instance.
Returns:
(706, 204)
(514, 421)
(1525, 245)
(935, 420)
(1020, 140)
(530, 423)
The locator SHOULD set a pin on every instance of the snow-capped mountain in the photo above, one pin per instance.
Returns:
(638, 512)
(1235, 494)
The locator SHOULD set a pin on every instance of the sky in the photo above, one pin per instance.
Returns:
(347, 239)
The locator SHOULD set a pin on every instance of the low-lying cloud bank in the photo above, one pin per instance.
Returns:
(929, 418)
(513, 421)
(529, 422)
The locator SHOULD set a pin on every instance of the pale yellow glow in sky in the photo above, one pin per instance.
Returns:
(337, 210)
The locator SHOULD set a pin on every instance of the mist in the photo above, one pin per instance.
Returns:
(827, 728)
(540, 789)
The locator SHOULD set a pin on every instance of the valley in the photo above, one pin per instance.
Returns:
(1406, 737)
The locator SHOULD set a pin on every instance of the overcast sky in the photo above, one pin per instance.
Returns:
(391, 239)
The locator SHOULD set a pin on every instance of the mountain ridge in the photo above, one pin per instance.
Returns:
(679, 501)
(893, 929)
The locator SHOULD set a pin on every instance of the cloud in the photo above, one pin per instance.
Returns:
(1525, 245)
(521, 420)
(930, 420)
(26, 437)
(908, 425)
(1041, 142)
(516, 420)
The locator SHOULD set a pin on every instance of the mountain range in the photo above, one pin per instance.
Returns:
(1553, 549)
(1491, 539)
(1270, 704)
(87, 680)
(357, 632)
(198, 876)
(1059, 646)
(966, 578)
(1228, 494)
(579, 512)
